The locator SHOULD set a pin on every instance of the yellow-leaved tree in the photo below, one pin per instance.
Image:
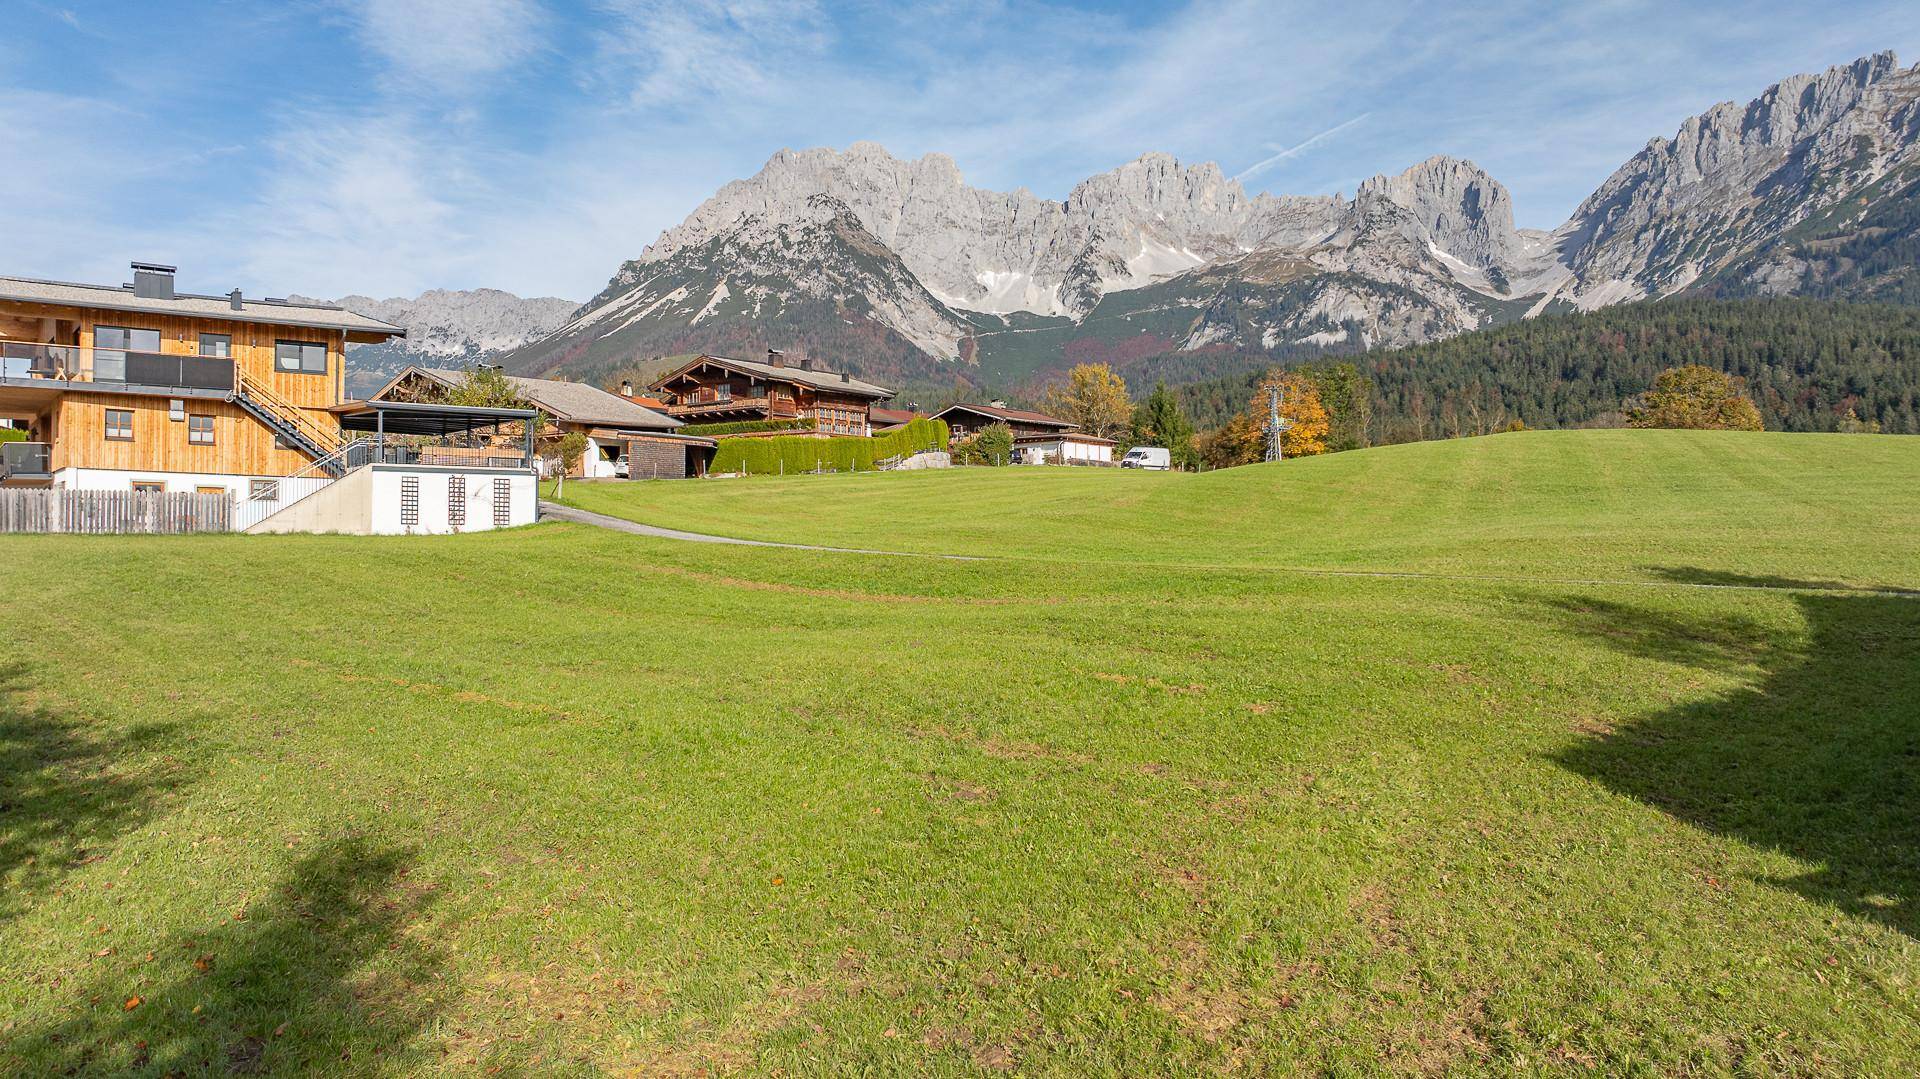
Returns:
(1300, 404)
(1095, 398)
(1694, 397)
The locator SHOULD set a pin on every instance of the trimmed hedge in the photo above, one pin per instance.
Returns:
(776, 456)
(741, 427)
(12, 434)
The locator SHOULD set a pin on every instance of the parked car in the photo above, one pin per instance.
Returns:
(1147, 457)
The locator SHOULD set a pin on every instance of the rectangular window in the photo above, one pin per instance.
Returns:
(200, 430)
(456, 501)
(409, 501)
(209, 490)
(119, 425)
(126, 338)
(300, 357)
(217, 344)
(149, 486)
(263, 490)
(111, 345)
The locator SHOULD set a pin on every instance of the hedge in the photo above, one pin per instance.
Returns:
(741, 427)
(12, 434)
(776, 456)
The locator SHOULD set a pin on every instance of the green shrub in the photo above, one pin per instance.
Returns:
(741, 427)
(774, 456)
(992, 445)
(12, 434)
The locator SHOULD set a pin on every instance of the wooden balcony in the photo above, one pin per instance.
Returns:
(768, 407)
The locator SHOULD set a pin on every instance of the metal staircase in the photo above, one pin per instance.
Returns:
(289, 423)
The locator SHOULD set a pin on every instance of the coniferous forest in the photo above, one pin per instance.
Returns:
(1807, 364)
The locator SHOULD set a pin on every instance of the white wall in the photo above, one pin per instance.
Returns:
(388, 484)
(113, 479)
(592, 465)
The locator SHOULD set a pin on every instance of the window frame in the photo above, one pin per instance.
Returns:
(149, 486)
(259, 490)
(108, 427)
(280, 368)
(193, 418)
(129, 331)
(226, 352)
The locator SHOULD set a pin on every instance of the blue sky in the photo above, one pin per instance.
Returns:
(386, 147)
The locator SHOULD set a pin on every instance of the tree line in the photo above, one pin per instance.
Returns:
(1808, 365)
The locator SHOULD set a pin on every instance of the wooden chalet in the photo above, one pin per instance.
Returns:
(1037, 437)
(142, 387)
(718, 389)
(140, 391)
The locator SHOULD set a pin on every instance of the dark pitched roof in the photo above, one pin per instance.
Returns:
(574, 402)
(818, 379)
(1010, 415)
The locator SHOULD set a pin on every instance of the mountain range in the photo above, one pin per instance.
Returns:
(899, 270)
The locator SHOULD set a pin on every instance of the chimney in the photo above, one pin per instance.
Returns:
(776, 358)
(996, 404)
(806, 363)
(844, 377)
(152, 281)
(626, 387)
(233, 300)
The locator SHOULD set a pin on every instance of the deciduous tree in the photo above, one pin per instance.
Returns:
(1694, 397)
(1306, 432)
(1095, 398)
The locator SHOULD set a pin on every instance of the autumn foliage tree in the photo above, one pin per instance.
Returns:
(1695, 398)
(1306, 433)
(1095, 398)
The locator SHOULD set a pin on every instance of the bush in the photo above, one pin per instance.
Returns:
(776, 456)
(992, 445)
(12, 434)
(741, 427)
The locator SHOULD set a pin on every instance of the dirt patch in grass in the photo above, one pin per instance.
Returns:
(465, 696)
(1000, 748)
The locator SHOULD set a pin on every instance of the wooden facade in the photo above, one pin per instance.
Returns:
(99, 384)
(160, 443)
(717, 389)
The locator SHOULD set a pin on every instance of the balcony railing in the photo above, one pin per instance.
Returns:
(23, 360)
(777, 407)
(24, 460)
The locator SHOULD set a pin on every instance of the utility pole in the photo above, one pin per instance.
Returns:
(1276, 425)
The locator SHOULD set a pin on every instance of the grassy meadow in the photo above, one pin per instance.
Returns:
(1169, 783)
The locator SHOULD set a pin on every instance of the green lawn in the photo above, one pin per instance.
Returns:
(1140, 798)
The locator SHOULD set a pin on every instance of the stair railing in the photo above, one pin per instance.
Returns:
(257, 391)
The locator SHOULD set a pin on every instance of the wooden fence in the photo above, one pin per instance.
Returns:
(160, 512)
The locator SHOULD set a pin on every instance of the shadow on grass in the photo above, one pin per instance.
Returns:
(66, 791)
(1819, 759)
(320, 978)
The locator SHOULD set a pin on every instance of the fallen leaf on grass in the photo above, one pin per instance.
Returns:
(131, 1004)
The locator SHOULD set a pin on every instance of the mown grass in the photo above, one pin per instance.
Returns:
(569, 801)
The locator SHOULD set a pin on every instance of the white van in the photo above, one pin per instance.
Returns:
(1147, 457)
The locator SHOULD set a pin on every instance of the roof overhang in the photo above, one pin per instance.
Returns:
(409, 418)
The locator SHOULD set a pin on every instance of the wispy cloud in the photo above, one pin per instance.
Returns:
(533, 145)
(1296, 149)
(449, 45)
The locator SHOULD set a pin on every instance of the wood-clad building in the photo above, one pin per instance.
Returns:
(719, 389)
(140, 387)
(613, 424)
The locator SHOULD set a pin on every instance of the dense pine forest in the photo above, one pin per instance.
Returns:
(1807, 364)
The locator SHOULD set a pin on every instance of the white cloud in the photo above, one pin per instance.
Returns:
(676, 51)
(449, 45)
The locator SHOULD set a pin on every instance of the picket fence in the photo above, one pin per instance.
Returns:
(104, 512)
